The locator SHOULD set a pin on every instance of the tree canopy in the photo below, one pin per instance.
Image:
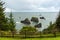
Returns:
(58, 22)
(3, 20)
(28, 30)
(11, 22)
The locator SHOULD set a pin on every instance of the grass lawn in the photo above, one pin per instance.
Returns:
(57, 38)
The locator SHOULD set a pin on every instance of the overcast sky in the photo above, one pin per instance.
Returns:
(32, 5)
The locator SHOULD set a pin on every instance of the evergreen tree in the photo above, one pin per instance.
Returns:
(58, 22)
(3, 19)
(12, 24)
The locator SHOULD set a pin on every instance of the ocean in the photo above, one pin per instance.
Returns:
(18, 16)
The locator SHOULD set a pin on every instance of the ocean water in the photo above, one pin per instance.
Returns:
(18, 16)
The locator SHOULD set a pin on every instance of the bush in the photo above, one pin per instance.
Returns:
(28, 31)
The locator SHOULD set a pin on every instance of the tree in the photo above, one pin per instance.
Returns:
(3, 20)
(51, 29)
(28, 31)
(58, 22)
(12, 24)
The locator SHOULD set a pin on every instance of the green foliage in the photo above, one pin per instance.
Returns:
(50, 28)
(11, 22)
(28, 30)
(12, 25)
(58, 22)
(5, 24)
(3, 20)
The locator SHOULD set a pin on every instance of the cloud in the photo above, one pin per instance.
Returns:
(49, 9)
(9, 10)
(33, 5)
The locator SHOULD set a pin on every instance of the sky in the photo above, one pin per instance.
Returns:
(32, 5)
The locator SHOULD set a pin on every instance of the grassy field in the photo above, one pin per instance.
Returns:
(56, 38)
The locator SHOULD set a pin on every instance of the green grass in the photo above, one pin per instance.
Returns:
(56, 38)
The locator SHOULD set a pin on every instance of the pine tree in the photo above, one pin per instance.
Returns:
(58, 22)
(12, 24)
(3, 19)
